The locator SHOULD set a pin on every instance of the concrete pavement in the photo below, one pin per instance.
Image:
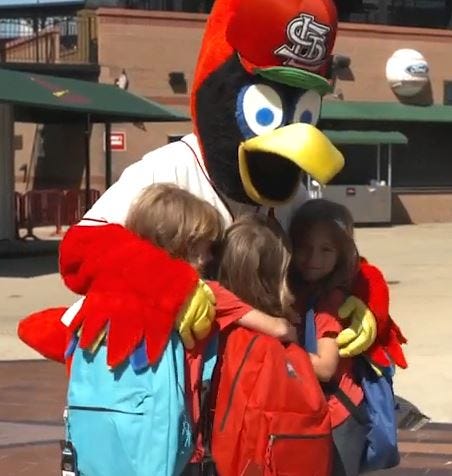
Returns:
(27, 285)
(32, 395)
(417, 262)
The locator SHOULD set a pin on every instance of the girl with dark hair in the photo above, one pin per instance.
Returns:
(324, 265)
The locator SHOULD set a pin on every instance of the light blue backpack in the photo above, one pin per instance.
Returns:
(127, 421)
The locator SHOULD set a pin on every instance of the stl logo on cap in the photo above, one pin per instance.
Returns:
(287, 41)
(307, 42)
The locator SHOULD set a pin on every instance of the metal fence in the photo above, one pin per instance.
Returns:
(49, 40)
(52, 207)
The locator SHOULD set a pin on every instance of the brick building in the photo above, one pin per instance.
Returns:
(158, 52)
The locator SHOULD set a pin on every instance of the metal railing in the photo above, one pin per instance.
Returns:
(49, 40)
(52, 207)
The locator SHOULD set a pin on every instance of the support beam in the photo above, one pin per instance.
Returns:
(7, 212)
(390, 166)
(378, 163)
(87, 163)
(108, 178)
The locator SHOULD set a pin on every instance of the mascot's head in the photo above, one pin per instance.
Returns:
(256, 97)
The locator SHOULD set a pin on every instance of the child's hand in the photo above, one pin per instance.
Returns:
(277, 327)
(286, 331)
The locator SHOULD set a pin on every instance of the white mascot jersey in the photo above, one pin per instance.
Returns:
(180, 163)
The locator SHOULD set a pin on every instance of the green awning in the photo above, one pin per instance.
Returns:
(366, 137)
(52, 99)
(385, 111)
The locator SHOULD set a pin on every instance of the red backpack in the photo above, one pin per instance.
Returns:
(271, 416)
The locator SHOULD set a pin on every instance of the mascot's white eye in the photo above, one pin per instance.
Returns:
(307, 108)
(259, 109)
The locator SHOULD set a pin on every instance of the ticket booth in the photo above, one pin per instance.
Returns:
(370, 201)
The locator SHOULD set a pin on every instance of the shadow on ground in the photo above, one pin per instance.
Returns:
(409, 417)
(22, 248)
(28, 267)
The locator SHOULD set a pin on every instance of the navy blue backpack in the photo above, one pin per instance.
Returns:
(381, 451)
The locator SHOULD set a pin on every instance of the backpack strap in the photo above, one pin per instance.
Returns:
(207, 466)
(310, 333)
(356, 411)
(332, 387)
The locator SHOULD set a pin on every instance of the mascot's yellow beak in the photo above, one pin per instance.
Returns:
(300, 146)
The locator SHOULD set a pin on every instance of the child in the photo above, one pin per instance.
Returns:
(324, 265)
(278, 421)
(189, 228)
(254, 263)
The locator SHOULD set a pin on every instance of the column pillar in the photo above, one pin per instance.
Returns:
(7, 221)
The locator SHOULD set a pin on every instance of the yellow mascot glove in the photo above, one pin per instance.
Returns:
(196, 318)
(361, 333)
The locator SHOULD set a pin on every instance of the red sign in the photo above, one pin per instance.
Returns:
(118, 142)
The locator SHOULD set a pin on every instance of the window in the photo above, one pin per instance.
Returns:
(417, 13)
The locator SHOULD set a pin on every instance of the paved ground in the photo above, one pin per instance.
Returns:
(417, 261)
(32, 395)
(32, 401)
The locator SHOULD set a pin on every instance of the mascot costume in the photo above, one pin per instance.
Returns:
(258, 86)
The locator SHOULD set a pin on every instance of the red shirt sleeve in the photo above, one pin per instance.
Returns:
(229, 308)
(327, 320)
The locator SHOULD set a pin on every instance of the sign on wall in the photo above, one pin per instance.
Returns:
(118, 141)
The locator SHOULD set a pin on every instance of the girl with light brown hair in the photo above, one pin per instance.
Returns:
(254, 263)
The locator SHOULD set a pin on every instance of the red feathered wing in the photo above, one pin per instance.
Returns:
(44, 332)
(133, 288)
(370, 286)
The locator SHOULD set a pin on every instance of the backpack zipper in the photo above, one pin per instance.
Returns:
(101, 409)
(236, 380)
(282, 436)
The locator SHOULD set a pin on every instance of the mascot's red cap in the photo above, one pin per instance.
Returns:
(287, 41)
